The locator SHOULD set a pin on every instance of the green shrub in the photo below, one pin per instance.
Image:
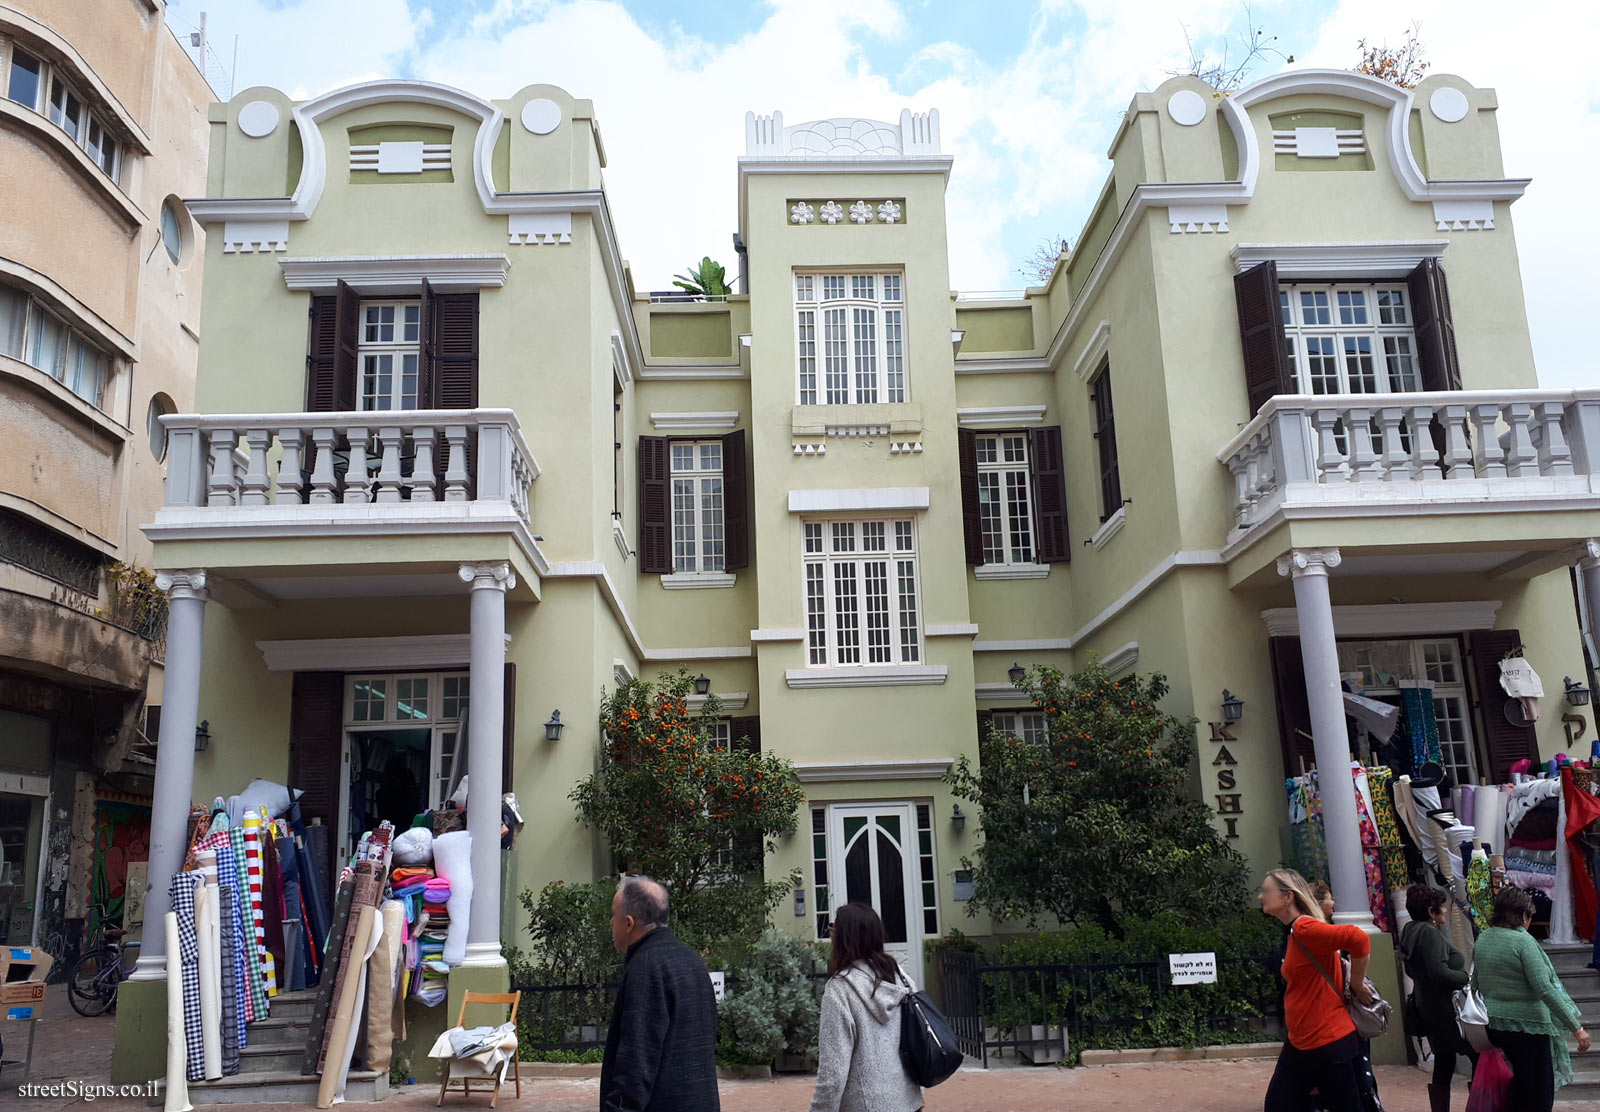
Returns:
(775, 1005)
(569, 1057)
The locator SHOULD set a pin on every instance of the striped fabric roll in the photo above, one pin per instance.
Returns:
(252, 850)
(205, 863)
(252, 955)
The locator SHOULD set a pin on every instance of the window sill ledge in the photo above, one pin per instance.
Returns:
(64, 399)
(698, 580)
(1011, 571)
(55, 140)
(1110, 527)
(886, 675)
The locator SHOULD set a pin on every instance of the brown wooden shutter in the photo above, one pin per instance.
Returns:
(735, 502)
(316, 742)
(321, 344)
(745, 734)
(1294, 707)
(1504, 743)
(655, 532)
(1430, 320)
(985, 720)
(427, 355)
(971, 516)
(508, 731)
(347, 355)
(1049, 494)
(1266, 363)
(455, 339)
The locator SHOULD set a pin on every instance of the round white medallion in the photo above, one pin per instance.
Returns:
(1186, 107)
(1450, 105)
(541, 116)
(258, 118)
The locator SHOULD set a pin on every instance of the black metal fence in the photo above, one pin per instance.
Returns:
(1047, 1012)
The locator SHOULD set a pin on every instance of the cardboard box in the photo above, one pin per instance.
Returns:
(22, 992)
(23, 963)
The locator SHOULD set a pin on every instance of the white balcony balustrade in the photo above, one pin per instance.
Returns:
(394, 464)
(1309, 455)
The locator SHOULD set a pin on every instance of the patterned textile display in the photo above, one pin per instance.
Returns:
(182, 896)
(1582, 810)
(1478, 895)
(1376, 899)
(228, 904)
(1420, 726)
(255, 983)
(252, 856)
(322, 1010)
(272, 905)
(1381, 782)
(366, 888)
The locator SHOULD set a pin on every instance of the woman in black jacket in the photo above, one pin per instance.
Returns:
(1437, 969)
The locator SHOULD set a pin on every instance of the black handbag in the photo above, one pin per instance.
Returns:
(927, 1045)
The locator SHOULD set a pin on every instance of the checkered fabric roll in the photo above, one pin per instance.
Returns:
(188, 956)
(233, 923)
(227, 902)
(252, 954)
(252, 850)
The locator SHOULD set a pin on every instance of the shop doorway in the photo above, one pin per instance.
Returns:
(21, 838)
(872, 859)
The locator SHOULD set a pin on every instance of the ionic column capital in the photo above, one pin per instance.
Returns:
(1309, 561)
(183, 583)
(489, 577)
(1586, 554)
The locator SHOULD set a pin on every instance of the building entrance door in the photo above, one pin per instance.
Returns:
(872, 860)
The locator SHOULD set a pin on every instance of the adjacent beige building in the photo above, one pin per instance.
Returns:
(102, 132)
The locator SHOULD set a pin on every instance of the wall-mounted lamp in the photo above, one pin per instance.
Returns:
(1232, 706)
(1577, 694)
(1017, 674)
(202, 736)
(702, 684)
(958, 821)
(553, 728)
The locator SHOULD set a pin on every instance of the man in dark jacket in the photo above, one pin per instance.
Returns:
(662, 1045)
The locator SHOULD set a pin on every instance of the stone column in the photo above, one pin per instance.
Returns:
(174, 792)
(485, 726)
(1330, 739)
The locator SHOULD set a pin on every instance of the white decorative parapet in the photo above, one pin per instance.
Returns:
(1446, 452)
(917, 133)
(324, 459)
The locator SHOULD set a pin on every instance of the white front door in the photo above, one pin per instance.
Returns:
(872, 859)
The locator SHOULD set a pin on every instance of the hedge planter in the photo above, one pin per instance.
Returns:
(787, 1062)
(744, 1073)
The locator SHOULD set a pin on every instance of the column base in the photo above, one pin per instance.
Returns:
(149, 969)
(140, 1051)
(1362, 919)
(483, 955)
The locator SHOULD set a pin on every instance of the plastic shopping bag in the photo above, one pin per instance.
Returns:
(1491, 1082)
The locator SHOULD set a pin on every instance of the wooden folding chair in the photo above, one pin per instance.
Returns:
(498, 1076)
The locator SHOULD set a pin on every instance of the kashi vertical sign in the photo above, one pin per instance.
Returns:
(1228, 806)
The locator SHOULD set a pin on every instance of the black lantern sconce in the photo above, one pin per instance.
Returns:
(1017, 674)
(702, 684)
(553, 728)
(1577, 694)
(958, 821)
(1232, 706)
(202, 736)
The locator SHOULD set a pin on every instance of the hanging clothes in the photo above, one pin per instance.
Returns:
(1380, 781)
(1421, 727)
(1377, 901)
(1581, 810)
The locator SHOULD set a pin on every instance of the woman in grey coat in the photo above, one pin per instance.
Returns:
(858, 1041)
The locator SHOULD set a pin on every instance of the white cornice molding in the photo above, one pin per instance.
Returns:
(1000, 416)
(594, 569)
(699, 580)
(352, 654)
(925, 768)
(1024, 645)
(1088, 360)
(1004, 365)
(680, 421)
(1379, 259)
(1407, 619)
(851, 164)
(858, 500)
(1110, 527)
(1187, 558)
(1123, 659)
(395, 274)
(777, 635)
(621, 365)
(691, 372)
(725, 652)
(999, 693)
(874, 675)
(730, 700)
(957, 629)
(1011, 571)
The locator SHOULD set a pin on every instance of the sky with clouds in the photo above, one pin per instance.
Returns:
(1029, 96)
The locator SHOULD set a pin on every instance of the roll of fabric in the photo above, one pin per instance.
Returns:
(1521, 879)
(342, 1029)
(382, 976)
(229, 980)
(255, 982)
(1467, 809)
(365, 889)
(322, 1011)
(252, 857)
(188, 955)
(272, 906)
(208, 940)
(452, 859)
(1491, 807)
(177, 1053)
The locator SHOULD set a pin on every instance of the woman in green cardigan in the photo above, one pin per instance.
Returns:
(1438, 969)
(1530, 1013)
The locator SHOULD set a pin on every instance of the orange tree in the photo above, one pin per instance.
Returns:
(698, 818)
(1099, 823)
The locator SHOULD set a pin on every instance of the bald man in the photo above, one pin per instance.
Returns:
(661, 1048)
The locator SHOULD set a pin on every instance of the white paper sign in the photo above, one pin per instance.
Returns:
(717, 984)
(1193, 969)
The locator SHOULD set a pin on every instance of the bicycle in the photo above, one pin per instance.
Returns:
(94, 978)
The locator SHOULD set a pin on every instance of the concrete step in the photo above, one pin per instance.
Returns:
(1570, 957)
(292, 1005)
(285, 1088)
(276, 1031)
(271, 1059)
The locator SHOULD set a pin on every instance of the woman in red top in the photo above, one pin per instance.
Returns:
(1322, 1046)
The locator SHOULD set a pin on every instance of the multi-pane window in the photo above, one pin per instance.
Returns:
(697, 505)
(928, 885)
(33, 334)
(1350, 339)
(819, 869)
(1382, 667)
(1005, 508)
(850, 339)
(1105, 438)
(28, 80)
(391, 333)
(1028, 726)
(861, 593)
(432, 702)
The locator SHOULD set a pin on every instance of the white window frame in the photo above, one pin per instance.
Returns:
(107, 151)
(701, 524)
(81, 365)
(823, 579)
(1029, 726)
(998, 483)
(1431, 659)
(396, 347)
(1342, 332)
(850, 325)
(435, 719)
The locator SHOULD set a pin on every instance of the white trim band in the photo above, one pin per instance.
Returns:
(878, 675)
(1000, 416)
(695, 420)
(396, 274)
(1387, 259)
(928, 768)
(1410, 619)
(858, 500)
